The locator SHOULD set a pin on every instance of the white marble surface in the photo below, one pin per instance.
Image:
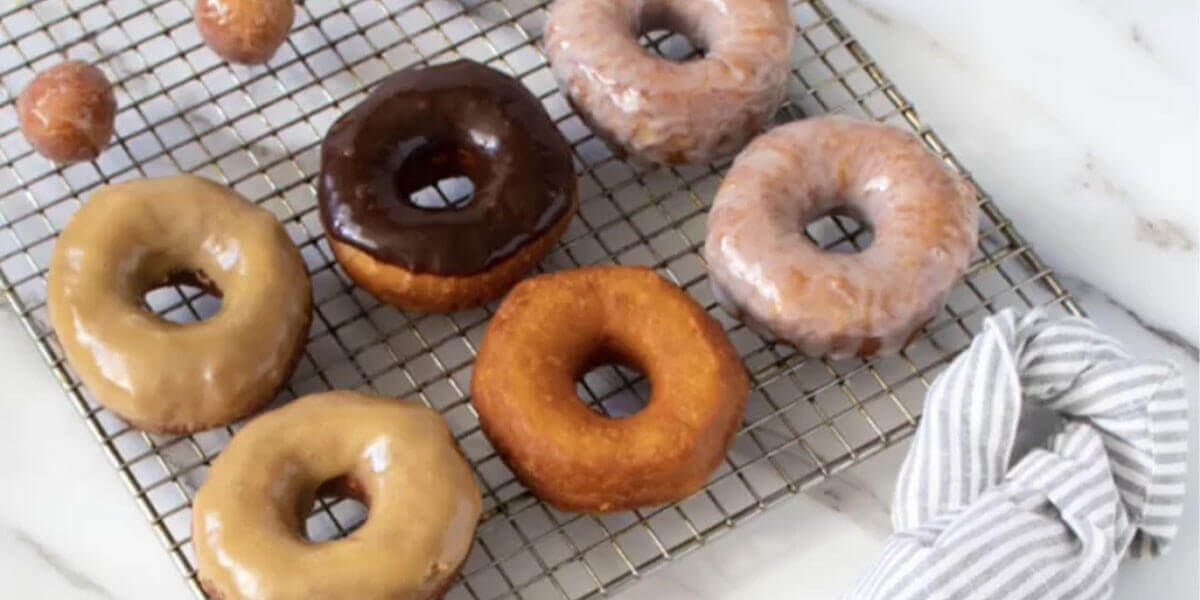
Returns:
(1079, 116)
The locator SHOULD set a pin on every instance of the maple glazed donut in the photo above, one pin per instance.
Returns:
(133, 237)
(666, 111)
(419, 126)
(549, 331)
(396, 457)
(762, 267)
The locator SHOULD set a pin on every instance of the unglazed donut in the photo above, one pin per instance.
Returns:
(763, 268)
(424, 124)
(661, 110)
(396, 457)
(67, 112)
(132, 237)
(549, 331)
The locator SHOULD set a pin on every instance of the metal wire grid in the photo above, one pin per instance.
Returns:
(184, 110)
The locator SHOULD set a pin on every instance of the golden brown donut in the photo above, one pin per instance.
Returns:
(132, 237)
(396, 457)
(244, 31)
(67, 112)
(549, 331)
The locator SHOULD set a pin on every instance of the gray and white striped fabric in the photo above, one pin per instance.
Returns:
(1054, 525)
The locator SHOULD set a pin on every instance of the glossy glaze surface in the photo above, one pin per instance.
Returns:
(248, 518)
(424, 124)
(244, 31)
(661, 110)
(549, 331)
(762, 267)
(68, 111)
(132, 237)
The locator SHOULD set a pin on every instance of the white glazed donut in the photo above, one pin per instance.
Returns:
(664, 111)
(764, 269)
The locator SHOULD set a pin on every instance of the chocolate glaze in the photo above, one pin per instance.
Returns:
(421, 125)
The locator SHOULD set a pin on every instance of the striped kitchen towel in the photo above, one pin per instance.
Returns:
(1109, 480)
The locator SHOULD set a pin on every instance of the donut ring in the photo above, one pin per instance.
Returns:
(664, 111)
(420, 125)
(764, 269)
(132, 237)
(549, 331)
(396, 457)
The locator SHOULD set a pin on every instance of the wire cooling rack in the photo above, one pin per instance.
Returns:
(258, 130)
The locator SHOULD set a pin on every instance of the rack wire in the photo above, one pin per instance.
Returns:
(258, 130)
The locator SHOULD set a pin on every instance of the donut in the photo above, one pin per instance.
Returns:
(67, 112)
(132, 237)
(419, 126)
(396, 457)
(664, 111)
(244, 31)
(763, 268)
(549, 331)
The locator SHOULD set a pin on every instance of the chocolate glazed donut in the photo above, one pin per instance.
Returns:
(419, 126)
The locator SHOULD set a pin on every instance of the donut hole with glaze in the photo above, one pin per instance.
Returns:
(664, 31)
(185, 296)
(841, 231)
(338, 508)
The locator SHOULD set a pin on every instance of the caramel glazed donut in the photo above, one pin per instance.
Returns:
(422, 125)
(665, 111)
(396, 457)
(764, 269)
(132, 237)
(549, 331)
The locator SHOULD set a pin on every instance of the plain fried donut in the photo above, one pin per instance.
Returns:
(396, 457)
(132, 237)
(661, 110)
(549, 331)
(763, 268)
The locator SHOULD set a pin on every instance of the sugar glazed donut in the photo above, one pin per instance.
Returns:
(67, 112)
(244, 31)
(549, 331)
(664, 111)
(762, 267)
(132, 237)
(421, 125)
(396, 457)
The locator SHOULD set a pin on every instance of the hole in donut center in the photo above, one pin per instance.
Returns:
(673, 36)
(337, 511)
(434, 174)
(186, 296)
(840, 232)
(613, 390)
(672, 44)
(449, 193)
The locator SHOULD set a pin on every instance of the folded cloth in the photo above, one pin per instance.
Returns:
(1055, 525)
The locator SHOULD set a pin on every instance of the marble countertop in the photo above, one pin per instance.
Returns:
(1078, 116)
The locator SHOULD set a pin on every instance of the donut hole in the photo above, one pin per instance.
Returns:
(841, 232)
(337, 511)
(435, 174)
(672, 45)
(186, 296)
(449, 193)
(672, 36)
(613, 390)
